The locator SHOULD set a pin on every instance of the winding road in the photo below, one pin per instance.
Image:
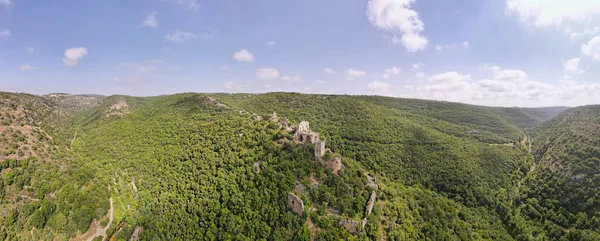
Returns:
(102, 231)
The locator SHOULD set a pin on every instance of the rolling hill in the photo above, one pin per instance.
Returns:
(221, 167)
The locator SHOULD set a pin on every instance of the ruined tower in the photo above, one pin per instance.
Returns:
(304, 134)
(319, 149)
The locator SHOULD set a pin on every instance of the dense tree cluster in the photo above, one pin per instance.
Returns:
(198, 167)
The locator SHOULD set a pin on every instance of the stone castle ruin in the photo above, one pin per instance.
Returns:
(295, 204)
(319, 149)
(304, 134)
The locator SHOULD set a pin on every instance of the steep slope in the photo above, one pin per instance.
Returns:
(561, 196)
(411, 144)
(190, 166)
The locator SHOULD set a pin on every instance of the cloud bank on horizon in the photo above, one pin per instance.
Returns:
(499, 53)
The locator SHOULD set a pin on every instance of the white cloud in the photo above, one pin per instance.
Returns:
(592, 48)
(391, 72)
(420, 75)
(73, 55)
(148, 66)
(180, 36)
(329, 71)
(438, 48)
(30, 50)
(243, 56)
(465, 44)
(585, 32)
(449, 81)
(321, 82)
(572, 65)
(505, 87)
(267, 73)
(5, 2)
(355, 73)
(291, 78)
(150, 20)
(5, 33)
(270, 43)
(27, 67)
(380, 88)
(231, 85)
(416, 66)
(187, 4)
(553, 12)
(511, 75)
(396, 17)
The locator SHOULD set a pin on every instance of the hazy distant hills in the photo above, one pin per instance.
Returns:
(220, 166)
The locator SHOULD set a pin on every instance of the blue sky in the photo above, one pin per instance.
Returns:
(496, 52)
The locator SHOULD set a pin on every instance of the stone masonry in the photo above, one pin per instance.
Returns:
(304, 134)
(295, 204)
(319, 149)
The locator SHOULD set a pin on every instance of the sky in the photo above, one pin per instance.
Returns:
(527, 53)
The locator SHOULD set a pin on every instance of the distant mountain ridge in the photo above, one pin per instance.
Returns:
(206, 166)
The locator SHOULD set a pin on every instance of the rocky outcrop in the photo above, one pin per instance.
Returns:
(335, 163)
(350, 225)
(295, 204)
(118, 109)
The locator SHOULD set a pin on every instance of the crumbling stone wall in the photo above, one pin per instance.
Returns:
(319, 149)
(304, 134)
(295, 204)
(371, 203)
(350, 225)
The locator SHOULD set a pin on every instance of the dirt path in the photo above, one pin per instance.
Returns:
(28, 197)
(96, 230)
(73, 140)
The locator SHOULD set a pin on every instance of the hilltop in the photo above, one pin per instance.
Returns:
(221, 166)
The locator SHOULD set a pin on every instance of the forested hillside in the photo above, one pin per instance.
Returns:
(561, 196)
(218, 167)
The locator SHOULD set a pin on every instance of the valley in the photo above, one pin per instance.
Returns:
(196, 166)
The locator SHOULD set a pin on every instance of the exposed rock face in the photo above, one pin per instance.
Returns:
(118, 109)
(295, 204)
(334, 163)
(350, 225)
